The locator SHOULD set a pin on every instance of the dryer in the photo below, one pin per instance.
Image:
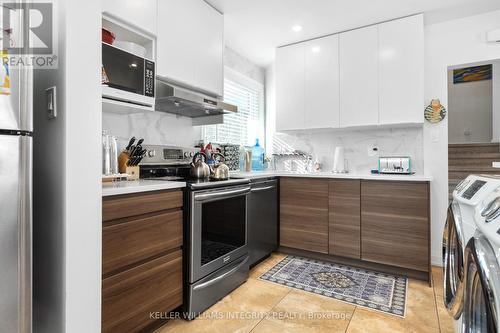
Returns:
(481, 286)
(481, 310)
(470, 198)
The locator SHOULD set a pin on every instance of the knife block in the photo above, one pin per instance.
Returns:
(131, 171)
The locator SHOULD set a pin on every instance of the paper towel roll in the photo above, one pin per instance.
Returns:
(339, 160)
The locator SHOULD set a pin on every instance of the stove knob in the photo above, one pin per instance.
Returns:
(191, 154)
(152, 153)
(186, 154)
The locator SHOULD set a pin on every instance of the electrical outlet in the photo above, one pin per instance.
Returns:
(372, 150)
(51, 98)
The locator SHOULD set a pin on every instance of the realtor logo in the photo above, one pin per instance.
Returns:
(28, 34)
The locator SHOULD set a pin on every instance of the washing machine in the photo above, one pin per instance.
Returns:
(481, 310)
(470, 198)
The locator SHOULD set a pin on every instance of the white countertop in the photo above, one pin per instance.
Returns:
(143, 185)
(136, 186)
(262, 174)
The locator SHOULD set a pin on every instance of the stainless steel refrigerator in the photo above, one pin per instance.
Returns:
(16, 144)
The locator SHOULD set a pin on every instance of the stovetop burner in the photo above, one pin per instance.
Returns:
(180, 173)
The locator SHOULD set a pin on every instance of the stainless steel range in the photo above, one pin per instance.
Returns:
(215, 229)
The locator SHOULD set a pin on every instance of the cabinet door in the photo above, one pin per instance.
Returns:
(359, 77)
(401, 70)
(142, 14)
(193, 54)
(395, 224)
(322, 83)
(290, 89)
(209, 75)
(345, 218)
(304, 214)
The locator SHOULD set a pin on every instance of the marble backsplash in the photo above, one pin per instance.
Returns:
(167, 129)
(358, 146)
(155, 128)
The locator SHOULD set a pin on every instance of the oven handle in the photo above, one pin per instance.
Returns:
(220, 277)
(221, 194)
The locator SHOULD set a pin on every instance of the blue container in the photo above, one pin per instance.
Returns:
(257, 157)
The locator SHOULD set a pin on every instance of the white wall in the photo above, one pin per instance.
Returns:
(447, 44)
(470, 108)
(496, 101)
(244, 66)
(83, 177)
(270, 107)
(67, 184)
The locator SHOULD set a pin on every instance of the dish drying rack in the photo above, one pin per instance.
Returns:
(296, 160)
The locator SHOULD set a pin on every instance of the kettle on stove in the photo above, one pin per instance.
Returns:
(219, 171)
(199, 167)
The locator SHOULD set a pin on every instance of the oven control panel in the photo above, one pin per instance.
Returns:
(157, 154)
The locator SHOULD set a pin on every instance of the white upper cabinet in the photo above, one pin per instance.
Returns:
(363, 77)
(401, 70)
(290, 89)
(190, 44)
(307, 85)
(359, 83)
(322, 82)
(210, 71)
(142, 14)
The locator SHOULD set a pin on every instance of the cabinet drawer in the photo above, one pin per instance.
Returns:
(117, 207)
(136, 239)
(129, 297)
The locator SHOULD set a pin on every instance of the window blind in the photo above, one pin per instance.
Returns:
(243, 127)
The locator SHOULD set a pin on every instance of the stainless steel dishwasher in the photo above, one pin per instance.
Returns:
(262, 219)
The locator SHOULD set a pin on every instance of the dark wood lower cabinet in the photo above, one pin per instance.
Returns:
(139, 238)
(141, 259)
(129, 298)
(304, 214)
(377, 222)
(395, 223)
(345, 218)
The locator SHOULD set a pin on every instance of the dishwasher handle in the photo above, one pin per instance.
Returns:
(265, 188)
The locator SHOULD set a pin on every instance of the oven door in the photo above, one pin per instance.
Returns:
(218, 230)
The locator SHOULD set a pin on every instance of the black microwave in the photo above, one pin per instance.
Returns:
(127, 77)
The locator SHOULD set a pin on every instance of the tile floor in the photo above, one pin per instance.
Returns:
(260, 307)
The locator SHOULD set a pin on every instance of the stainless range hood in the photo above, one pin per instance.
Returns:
(188, 103)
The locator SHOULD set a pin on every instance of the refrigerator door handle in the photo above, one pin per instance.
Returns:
(26, 100)
(25, 233)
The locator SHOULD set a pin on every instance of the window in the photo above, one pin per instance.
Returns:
(243, 127)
